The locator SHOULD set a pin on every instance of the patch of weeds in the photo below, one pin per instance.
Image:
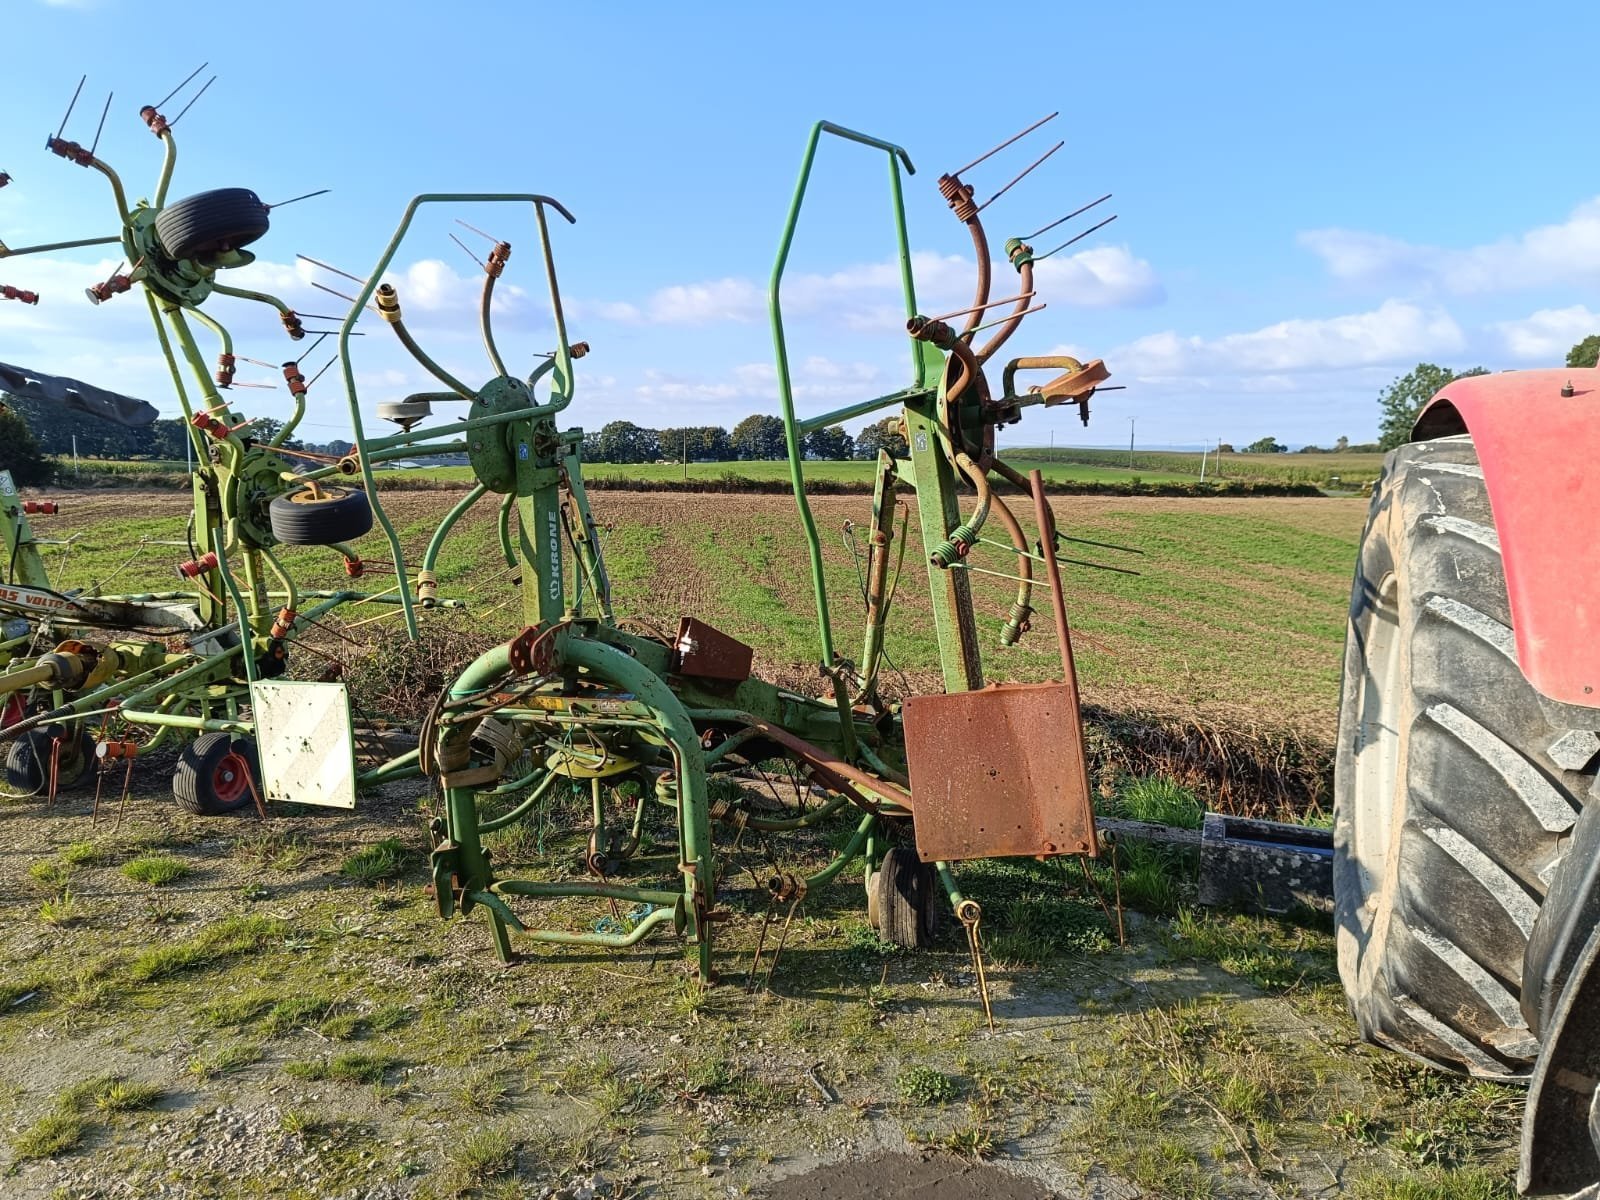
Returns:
(86, 1093)
(84, 854)
(229, 938)
(925, 1085)
(1036, 929)
(481, 1157)
(390, 1016)
(1159, 800)
(342, 1027)
(50, 1135)
(273, 848)
(862, 940)
(302, 1122)
(1165, 1168)
(1272, 955)
(485, 1091)
(297, 1012)
(1360, 1128)
(13, 992)
(51, 873)
(254, 892)
(157, 870)
(1436, 1183)
(126, 1096)
(61, 911)
(377, 862)
(619, 1097)
(237, 1010)
(972, 1140)
(349, 1067)
(223, 1061)
(709, 1075)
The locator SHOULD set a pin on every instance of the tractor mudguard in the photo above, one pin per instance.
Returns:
(1537, 439)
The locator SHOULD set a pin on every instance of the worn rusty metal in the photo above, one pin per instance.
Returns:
(999, 772)
(704, 652)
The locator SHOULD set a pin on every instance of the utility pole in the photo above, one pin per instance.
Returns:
(1130, 443)
(74, 454)
(686, 454)
(1204, 450)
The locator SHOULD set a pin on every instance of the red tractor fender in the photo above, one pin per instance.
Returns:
(1538, 439)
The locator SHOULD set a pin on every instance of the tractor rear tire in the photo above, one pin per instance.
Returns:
(1455, 783)
(905, 901)
(215, 774)
(221, 219)
(304, 519)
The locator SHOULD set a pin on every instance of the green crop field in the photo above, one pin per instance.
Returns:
(1352, 470)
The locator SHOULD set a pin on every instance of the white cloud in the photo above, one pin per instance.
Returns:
(1394, 333)
(1563, 253)
(1548, 334)
(865, 297)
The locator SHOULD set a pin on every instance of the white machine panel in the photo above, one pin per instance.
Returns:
(306, 745)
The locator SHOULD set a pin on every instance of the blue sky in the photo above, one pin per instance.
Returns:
(1311, 199)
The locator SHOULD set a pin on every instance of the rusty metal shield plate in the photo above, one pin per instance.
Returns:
(999, 772)
(707, 653)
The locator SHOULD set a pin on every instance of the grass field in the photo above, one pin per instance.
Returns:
(1345, 471)
(1237, 613)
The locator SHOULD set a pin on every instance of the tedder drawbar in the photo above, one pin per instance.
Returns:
(581, 700)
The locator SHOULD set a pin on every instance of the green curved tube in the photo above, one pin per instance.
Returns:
(436, 543)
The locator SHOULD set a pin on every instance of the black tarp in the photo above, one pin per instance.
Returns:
(77, 396)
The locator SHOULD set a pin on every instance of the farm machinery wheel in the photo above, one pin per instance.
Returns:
(1455, 783)
(28, 761)
(903, 899)
(221, 219)
(305, 518)
(214, 775)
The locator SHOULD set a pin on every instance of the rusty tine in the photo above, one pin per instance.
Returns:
(71, 104)
(1018, 179)
(315, 263)
(1077, 212)
(1027, 312)
(478, 231)
(470, 254)
(1041, 257)
(1005, 143)
(961, 312)
(100, 128)
(181, 86)
(190, 105)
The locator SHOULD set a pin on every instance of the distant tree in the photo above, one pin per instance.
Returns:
(1266, 445)
(832, 443)
(703, 443)
(758, 437)
(1365, 448)
(1225, 448)
(882, 435)
(264, 429)
(19, 451)
(591, 447)
(1403, 400)
(1586, 353)
(1312, 450)
(625, 442)
(1341, 445)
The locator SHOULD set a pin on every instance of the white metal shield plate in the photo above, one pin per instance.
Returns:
(306, 745)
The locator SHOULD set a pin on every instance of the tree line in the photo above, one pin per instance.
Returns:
(755, 437)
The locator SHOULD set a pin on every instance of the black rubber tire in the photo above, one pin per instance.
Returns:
(339, 515)
(28, 762)
(206, 783)
(221, 219)
(1449, 811)
(906, 899)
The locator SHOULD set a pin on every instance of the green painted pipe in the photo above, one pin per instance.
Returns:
(521, 810)
(848, 855)
(436, 543)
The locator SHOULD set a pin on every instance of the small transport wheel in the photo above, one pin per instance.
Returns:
(221, 219)
(903, 900)
(28, 762)
(304, 518)
(214, 774)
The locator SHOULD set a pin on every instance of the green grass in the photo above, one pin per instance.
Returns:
(52, 1134)
(158, 870)
(229, 938)
(1350, 469)
(377, 862)
(350, 1067)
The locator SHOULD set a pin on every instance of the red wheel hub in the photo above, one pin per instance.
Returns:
(230, 779)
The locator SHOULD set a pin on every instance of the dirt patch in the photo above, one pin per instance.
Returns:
(906, 1177)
